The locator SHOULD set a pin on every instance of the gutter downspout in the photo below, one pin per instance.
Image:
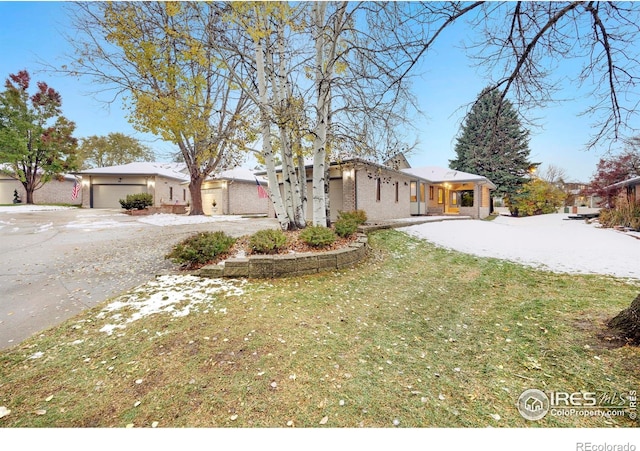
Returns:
(227, 193)
(355, 187)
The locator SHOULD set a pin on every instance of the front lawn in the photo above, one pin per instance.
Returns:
(417, 336)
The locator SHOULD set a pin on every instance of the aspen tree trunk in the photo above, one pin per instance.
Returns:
(320, 138)
(302, 176)
(267, 150)
(326, 43)
(279, 84)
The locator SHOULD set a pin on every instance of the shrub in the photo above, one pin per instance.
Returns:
(606, 217)
(201, 248)
(358, 216)
(318, 236)
(536, 197)
(137, 201)
(346, 227)
(267, 241)
(626, 213)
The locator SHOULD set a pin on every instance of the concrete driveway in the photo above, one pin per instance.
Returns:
(57, 263)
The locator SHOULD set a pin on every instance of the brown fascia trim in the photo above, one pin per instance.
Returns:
(357, 161)
(631, 181)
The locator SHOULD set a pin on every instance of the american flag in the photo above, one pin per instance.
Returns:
(76, 190)
(262, 193)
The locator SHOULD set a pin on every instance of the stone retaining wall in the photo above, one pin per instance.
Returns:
(269, 266)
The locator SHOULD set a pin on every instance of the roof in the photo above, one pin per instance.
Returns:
(398, 161)
(170, 170)
(629, 182)
(439, 174)
(239, 174)
(308, 163)
(433, 174)
(6, 170)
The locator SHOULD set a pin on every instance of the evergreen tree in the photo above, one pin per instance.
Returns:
(493, 143)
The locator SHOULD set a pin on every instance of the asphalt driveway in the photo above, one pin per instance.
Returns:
(60, 262)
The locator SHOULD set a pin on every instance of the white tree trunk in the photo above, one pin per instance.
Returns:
(320, 138)
(267, 149)
(302, 175)
(279, 83)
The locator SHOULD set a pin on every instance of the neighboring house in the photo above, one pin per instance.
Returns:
(630, 187)
(104, 187)
(576, 196)
(396, 192)
(235, 192)
(53, 192)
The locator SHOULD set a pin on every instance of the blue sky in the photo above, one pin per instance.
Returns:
(32, 32)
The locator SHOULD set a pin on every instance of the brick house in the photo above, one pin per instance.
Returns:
(104, 187)
(630, 187)
(394, 190)
(234, 192)
(57, 191)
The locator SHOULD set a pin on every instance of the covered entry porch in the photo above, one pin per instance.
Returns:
(451, 193)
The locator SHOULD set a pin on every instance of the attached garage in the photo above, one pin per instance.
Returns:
(104, 187)
(108, 196)
(234, 192)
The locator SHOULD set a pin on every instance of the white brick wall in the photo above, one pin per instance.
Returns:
(243, 199)
(54, 192)
(169, 191)
(387, 207)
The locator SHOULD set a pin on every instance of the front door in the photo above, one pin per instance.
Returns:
(418, 201)
(453, 202)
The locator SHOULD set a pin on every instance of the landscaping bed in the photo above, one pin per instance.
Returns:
(297, 259)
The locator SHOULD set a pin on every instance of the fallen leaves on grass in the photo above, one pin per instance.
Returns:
(174, 294)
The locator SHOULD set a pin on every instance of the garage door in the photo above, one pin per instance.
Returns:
(208, 197)
(108, 196)
(336, 197)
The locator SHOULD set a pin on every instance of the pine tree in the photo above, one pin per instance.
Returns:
(493, 143)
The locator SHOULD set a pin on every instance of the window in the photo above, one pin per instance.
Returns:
(414, 192)
(440, 195)
(378, 189)
(397, 192)
(466, 198)
(184, 195)
(171, 193)
(430, 192)
(422, 192)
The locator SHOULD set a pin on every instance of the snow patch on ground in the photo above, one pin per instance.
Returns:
(177, 295)
(164, 219)
(85, 225)
(30, 208)
(549, 242)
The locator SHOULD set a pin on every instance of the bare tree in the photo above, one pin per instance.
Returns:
(553, 174)
(522, 44)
